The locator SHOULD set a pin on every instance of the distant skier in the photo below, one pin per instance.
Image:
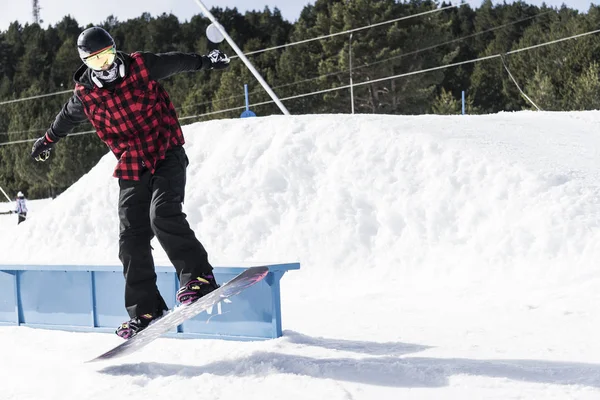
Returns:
(120, 95)
(21, 209)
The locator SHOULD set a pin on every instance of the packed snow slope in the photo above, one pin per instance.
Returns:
(442, 257)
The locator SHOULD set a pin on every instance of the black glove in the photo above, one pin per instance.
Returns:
(216, 59)
(41, 148)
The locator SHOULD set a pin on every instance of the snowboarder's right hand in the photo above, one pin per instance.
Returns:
(218, 59)
(41, 148)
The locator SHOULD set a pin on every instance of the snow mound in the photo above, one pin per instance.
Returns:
(475, 197)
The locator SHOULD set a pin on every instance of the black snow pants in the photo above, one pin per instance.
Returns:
(152, 207)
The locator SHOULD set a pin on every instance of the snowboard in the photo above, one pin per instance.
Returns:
(179, 314)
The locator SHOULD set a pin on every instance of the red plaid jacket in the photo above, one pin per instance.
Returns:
(134, 116)
(135, 119)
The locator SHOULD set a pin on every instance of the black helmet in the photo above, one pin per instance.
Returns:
(92, 40)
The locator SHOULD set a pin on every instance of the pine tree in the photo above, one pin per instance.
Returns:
(446, 104)
(542, 91)
(586, 89)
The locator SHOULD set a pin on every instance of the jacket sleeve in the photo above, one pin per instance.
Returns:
(163, 65)
(71, 114)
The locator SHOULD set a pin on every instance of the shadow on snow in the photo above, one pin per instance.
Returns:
(384, 366)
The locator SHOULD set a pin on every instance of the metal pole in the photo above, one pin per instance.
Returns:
(463, 102)
(243, 57)
(351, 81)
(5, 195)
(246, 95)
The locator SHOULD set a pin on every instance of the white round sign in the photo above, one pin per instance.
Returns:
(213, 34)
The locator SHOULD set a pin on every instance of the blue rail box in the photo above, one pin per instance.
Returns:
(91, 299)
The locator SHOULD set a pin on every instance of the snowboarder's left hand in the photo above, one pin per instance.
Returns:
(218, 59)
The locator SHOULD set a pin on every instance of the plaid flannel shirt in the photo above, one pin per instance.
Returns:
(135, 119)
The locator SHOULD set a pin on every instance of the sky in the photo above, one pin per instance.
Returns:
(53, 11)
(442, 257)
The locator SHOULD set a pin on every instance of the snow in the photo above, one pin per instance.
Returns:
(442, 258)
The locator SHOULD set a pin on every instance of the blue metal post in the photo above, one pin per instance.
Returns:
(246, 94)
(93, 294)
(247, 113)
(273, 279)
(463, 102)
(19, 310)
(179, 327)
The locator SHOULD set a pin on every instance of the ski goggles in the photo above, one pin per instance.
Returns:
(101, 59)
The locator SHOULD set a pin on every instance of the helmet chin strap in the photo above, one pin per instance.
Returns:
(109, 75)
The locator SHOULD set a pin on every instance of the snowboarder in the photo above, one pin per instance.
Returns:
(120, 95)
(21, 209)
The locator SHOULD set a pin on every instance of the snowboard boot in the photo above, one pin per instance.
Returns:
(129, 329)
(196, 288)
